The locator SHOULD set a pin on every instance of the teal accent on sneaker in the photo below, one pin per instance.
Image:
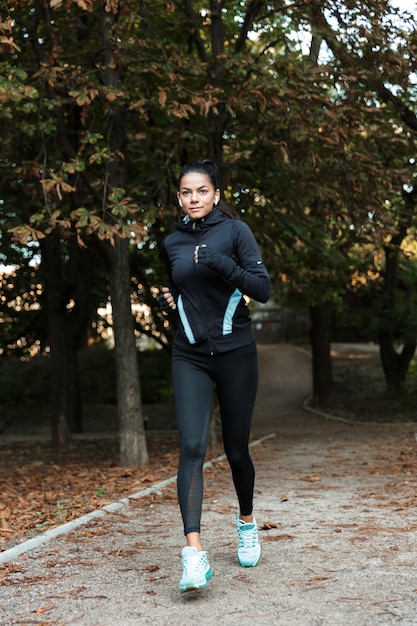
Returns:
(196, 569)
(249, 547)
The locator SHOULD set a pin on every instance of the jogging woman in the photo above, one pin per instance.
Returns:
(213, 260)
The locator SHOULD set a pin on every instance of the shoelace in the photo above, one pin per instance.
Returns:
(248, 538)
(197, 562)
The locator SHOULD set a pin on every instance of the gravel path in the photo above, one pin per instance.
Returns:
(336, 505)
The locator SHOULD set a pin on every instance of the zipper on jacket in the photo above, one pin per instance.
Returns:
(199, 293)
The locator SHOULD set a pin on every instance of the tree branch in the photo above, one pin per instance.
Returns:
(374, 82)
(195, 33)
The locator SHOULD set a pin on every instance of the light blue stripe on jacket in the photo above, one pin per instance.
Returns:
(230, 311)
(227, 319)
(187, 328)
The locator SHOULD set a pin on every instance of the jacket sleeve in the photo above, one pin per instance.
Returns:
(248, 273)
(165, 257)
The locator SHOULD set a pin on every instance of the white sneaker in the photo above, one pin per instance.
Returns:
(249, 547)
(196, 569)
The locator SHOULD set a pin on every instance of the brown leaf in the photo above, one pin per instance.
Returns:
(151, 568)
(44, 609)
(268, 525)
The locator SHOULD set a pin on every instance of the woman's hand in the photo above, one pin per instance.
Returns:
(207, 256)
(166, 300)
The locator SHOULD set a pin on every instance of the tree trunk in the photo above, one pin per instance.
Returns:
(133, 449)
(394, 364)
(58, 338)
(320, 337)
(67, 291)
(79, 274)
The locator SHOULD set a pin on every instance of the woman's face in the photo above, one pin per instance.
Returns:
(197, 195)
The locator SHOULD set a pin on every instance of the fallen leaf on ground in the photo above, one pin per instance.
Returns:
(43, 487)
(268, 525)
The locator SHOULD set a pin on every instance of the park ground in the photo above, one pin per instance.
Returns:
(336, 505)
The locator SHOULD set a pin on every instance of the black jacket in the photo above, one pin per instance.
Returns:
(212, 314)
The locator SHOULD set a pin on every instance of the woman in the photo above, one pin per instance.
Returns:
(213, 260)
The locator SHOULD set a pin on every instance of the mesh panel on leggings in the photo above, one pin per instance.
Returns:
(194, 499)
(190, 493)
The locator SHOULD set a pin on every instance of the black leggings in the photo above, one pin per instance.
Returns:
(235, 375)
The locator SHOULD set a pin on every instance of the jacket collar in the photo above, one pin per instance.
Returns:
(214, 217)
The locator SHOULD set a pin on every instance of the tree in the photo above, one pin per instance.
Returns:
(334, 146)
(395, 298)
(114, 98)
(371, 57)
(48, 40)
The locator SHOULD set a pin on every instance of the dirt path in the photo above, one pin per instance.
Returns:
(337, 506)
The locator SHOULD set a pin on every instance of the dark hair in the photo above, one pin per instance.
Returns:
(208, 168)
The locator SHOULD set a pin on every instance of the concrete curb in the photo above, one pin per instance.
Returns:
(346, 420)
(12, 554)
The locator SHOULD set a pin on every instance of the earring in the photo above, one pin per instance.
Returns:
(215, 200)
(180, 203)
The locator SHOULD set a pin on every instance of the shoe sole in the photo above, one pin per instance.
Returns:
(194, 587)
